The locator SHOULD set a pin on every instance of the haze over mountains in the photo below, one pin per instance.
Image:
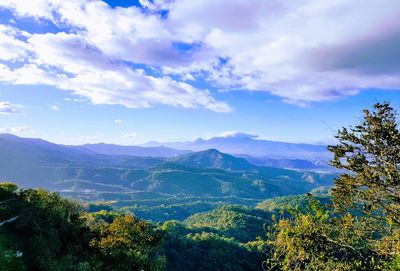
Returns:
(260, 152)
(81, 170)
(257, 151)
(112, 149)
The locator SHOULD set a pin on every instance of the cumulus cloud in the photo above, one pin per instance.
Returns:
(92, 62)
(374, 53)
(68, 62)
(8, 108)
(302, 51)
(12, 48)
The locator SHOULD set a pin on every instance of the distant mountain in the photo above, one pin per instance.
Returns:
(213, 158)
(111, 149)
(243, 144)
(38, 163)
(296, 164)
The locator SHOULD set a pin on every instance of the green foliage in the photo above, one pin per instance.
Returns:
(227, 238)
(128, 244)
(202, 249)
(393, 265)
(287, 203)
(98, 206)
(370, 154)
(176, 208)
(53, 233)
(315, 239)
(89, 176)
(48, 230)
(9, 258)
(362, 232)
(242, 223)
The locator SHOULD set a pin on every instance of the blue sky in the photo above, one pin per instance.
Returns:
(129, 72)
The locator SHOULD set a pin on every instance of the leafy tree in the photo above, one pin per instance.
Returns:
(42, 231)
(370, 155)
(362, 232)
(128, 244)
(47, 229)
(315, 239)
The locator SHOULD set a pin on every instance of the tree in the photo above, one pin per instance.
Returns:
(43, 231)
(128, 244)
(317, 239)
(362, 230)
(369, 154)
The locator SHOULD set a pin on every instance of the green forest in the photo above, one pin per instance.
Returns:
(353, 225)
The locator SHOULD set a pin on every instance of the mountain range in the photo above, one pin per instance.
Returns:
(112, 149)
(245, 144)
(257, 151)
(82, 171)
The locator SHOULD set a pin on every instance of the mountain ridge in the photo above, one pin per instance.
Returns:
(208, 173)
(251, 146)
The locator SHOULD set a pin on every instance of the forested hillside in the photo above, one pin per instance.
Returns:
(353, 225)
(42, 231)
(153, 188)
(37, 163)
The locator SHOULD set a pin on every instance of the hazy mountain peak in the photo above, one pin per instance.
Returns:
(212, 158)
(199, 140)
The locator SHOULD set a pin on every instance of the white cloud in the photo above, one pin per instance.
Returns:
(54, 107)
(271, 45)
(129, 135)
(298, 103)
(11, 48)
(302, 51)
(78, 100)
(235, 134)
(8, 108)
(17, 130)
(118, 121)
(68, 62)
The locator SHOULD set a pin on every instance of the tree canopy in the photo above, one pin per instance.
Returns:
(362, 229)
(42, 231)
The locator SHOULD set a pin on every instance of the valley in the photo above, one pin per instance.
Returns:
(152, 187)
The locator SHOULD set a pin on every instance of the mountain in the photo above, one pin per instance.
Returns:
(243, 144)
(296, 164)
(213, 158)
(38, 163)
(112, 149)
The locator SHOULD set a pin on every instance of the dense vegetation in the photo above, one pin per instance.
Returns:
(362, 230)
(354, 225)
(223, 239)
(97, 177)
(42, 231)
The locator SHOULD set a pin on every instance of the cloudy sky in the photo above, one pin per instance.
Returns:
(133, 71)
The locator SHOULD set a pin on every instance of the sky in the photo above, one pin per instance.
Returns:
(133, 71)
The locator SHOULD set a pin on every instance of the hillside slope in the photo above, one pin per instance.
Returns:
(37, 163)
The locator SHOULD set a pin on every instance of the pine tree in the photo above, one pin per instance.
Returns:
(369, 154)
